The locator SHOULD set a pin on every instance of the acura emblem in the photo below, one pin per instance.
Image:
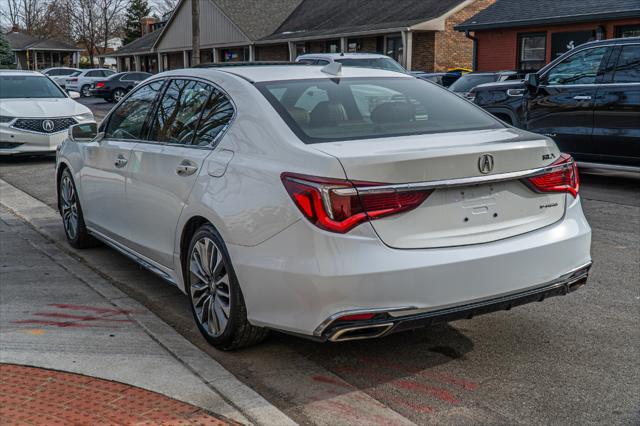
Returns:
(47, 125)
(485, 163)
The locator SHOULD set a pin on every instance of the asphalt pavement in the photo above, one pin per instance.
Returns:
(568, 360)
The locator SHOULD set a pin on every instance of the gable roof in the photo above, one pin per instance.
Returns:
(24, 41)
(258, 18)
(140, 45)
(316, 18)
(521, 13)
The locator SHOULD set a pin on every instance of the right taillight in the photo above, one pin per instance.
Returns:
(336, 205)
(563, 177)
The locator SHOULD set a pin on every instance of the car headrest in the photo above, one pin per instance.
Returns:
(328, 113)
(393, 112)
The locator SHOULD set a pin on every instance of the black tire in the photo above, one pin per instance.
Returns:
(118, 94)
(79, 237)
(238, 333)
(84, 91)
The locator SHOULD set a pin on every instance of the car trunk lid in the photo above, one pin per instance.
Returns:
(468, 205)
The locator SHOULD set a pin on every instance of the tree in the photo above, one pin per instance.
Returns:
(138, 9)
(6, 55)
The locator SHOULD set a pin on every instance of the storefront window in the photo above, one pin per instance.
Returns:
(302, 48)
(235, 55)
(354, 45)
(628, 31)
(532, 51)
(394, 48)
(332, 46)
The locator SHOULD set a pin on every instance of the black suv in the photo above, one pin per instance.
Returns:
(587, 100)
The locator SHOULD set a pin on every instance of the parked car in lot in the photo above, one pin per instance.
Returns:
(363, 60)
(60, 74)
(445, 79)
(588, 101)
(81, 81)
(465, 83)
(115, 87)
(35, 113)
(332, 203)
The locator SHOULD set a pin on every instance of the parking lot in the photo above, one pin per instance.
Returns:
(569, 360)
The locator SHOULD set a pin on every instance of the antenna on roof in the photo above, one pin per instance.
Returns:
(334, 68)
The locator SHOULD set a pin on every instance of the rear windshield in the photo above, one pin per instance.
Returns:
(379, 63)
(469, 81)
(23, 86)
(327, 110)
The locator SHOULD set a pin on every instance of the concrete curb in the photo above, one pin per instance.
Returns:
(46, 221)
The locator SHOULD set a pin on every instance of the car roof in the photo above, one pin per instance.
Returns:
(22, 72)
(341, 55)
(255, 73)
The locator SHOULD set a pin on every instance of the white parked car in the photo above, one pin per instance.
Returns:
(362, 60)
(35, 113)
(332, 204)
(60, 74)
(81, 81)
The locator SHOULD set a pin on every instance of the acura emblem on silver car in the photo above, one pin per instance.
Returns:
(47, 125)
(485, 163)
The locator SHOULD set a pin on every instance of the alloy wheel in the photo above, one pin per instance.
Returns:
(210, 287)
(85, 91)
(69, 206)
(118, 95)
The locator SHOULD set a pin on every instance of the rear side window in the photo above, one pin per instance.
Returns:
(628, 67)
(179, 112)
(93, 74)
(217, 114)
(326, 110)
(127, 121)
(379, 63)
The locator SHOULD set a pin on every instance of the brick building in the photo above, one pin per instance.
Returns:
(526, 35)
(419, 34)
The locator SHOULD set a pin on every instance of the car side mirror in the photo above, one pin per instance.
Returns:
(532, 80)
(73, 94)
(83, 132)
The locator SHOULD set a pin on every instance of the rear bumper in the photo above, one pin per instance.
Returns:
(104, 94)
(390, 322)
(303, 278)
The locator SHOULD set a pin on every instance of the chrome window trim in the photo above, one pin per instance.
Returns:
(451, 183)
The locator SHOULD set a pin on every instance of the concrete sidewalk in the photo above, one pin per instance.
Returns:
(58, 313)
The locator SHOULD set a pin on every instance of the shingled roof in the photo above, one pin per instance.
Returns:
(140, 45)
(258, 18)
(24, 41)
(522, 13)
(317, 18)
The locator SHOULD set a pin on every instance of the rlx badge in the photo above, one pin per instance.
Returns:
(485, 163)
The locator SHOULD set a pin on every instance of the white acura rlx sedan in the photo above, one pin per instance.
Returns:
(35, 113)
(335, 204)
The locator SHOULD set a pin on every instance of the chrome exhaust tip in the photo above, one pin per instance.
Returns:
(360, 332)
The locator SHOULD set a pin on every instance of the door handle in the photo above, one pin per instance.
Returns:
(186, 168)
(582, 98)
(121, 161)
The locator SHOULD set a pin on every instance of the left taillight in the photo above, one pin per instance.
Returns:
(562, 177)
(336, 205)
(99, 84)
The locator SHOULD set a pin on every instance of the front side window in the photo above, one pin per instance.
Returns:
(179, 112)
(28, 86)
(216, 115)
(532, 51)
(127, 121)
(581, 68)
(628, 67)
(327, 110)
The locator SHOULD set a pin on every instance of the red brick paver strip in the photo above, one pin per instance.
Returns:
(37, 396)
